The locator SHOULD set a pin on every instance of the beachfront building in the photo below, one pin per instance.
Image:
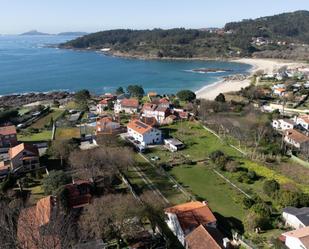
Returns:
(129, 106)
(143, 133)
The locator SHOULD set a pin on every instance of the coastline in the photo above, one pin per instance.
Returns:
(210, 92)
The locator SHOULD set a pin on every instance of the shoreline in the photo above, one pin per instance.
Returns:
(210, 92)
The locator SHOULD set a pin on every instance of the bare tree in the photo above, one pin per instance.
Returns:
(112, 216)
(29, 228)
(62, 148)
(103, 161)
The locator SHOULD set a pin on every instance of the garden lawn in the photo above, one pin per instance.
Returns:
(54, 114)
(44, 135)
(206, 185)
(199, 143)
(158, 177)
(67, 133)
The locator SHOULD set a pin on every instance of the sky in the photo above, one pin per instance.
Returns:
(53, 16)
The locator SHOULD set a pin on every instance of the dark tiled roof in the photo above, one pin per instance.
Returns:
(301, 213)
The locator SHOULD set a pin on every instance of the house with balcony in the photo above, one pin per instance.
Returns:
(24, 158)
(8, 137)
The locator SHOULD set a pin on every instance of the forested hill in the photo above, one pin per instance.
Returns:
(282, 36)
(292, 26)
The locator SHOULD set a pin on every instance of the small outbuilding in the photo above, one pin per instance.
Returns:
(173, 144)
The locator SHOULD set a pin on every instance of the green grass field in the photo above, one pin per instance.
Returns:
(44, 135)
(67, 133)
(54, 114)
(206, 185)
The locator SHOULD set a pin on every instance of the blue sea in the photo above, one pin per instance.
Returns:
(27, 65)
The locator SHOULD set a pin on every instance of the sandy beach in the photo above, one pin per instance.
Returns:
(267, 65)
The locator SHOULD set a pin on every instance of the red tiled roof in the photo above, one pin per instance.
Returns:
(302, 234)
(130, 103)
(164, 101)
(29, 222)
(149, 107)
(13, 152)
(192, 214)
(200, 238)
(104, 120)
(305, 118)
(297, 136)
(8, 130)
(105, 101)
(139, 126)
(79, 193)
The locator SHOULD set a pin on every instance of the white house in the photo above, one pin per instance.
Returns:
(144, 133)
(129, 106)
(297, 239)
(303, 121)
(155, 111)
(185, 218)
(283, 124)
(173, 144)
(104, 103)
(296, 139)
(296, 217)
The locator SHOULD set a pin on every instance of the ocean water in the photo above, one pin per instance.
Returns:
(27, 65)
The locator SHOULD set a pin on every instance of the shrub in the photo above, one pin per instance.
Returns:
(232, 166)
(254, 221)
(243, 178)
(262, 209)
(252, 175)
(9, 182)
(248, 203)
(219, 159)
(54, 181)
(186, 95)
(270, 187)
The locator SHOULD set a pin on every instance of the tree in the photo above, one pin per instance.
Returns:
(153, 207)
(270, 187)
(261, 208)
(186, 95)
(288, 198)
(136, 91)
(104, 161)
(111, 216)
(119, 91)
(81, 98)
(220, 98)
(82, 95)
(62, 148)
(255, 221)
(54, 180)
